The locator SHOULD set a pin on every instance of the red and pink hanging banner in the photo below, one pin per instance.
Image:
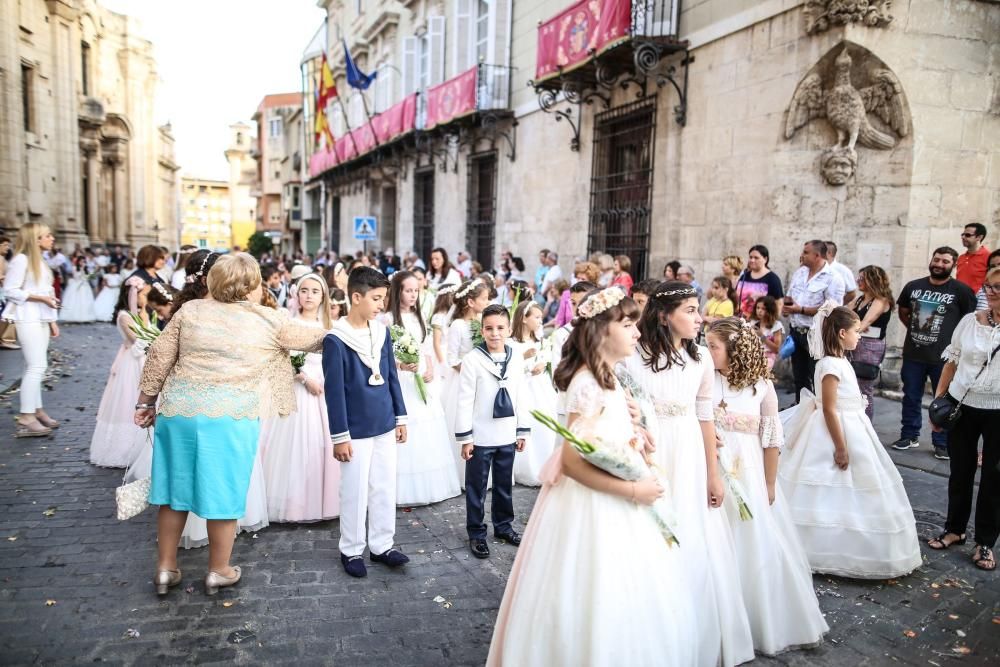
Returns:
(388, 125)
(452, 99)
(584, 29)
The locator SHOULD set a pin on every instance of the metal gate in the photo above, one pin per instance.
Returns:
(423, 213)
(621, 183)
(482, 207)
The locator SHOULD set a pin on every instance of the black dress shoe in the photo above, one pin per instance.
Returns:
(510, 538)
(354, 565)
(479, 548)
(392, 558)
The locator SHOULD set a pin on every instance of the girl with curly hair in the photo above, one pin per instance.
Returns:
(774, 571)
(676, 375)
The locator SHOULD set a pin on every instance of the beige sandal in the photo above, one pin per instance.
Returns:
(33, 430)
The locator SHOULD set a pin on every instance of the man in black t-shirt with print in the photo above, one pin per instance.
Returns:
(930, 308)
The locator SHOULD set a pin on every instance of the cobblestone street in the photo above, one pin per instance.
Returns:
(75, 583)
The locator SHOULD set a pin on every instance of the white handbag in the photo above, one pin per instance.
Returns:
(133, 497)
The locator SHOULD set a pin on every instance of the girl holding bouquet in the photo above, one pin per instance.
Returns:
(117, 441)
(527, 340)
(471, 298)
(425, 465)
(774, 571)
(676, 375)
(623, 597)
(845, 495)
(300, 474)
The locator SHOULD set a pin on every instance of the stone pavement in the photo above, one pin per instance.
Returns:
(75, 583)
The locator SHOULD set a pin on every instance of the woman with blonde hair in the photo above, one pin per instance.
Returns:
(732, 266)
(33, 308)
(606, 265)
(218, 367)
(587, 271)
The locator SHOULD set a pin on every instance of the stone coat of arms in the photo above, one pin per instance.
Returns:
(847, 109)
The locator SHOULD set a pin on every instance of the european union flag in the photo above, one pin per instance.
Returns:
(355, 77)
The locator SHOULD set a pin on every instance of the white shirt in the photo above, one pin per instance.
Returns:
(850, 284)
(178, 279)
(812, 292)
(478, 384)
(19, 284)
(465, 267)
(971, 346)
(452, 278)
(554, 274)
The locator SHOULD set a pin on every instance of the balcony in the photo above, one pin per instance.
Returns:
(591, 47)
(481, 89)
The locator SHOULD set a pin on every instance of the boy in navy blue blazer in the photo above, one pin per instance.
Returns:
(490, 426)
(367, 423)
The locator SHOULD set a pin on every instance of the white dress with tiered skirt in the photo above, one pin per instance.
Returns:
(541, 396)
(425, 463)
(107, 298)
(458, 344)
(856, 522)
(594, 582)
(117, 441)
(682, 399)
(774, 571)
(300, 474)
(78, 300)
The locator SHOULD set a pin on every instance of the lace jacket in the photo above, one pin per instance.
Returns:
(226, 360)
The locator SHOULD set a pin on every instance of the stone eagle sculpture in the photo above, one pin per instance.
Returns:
(847, 108)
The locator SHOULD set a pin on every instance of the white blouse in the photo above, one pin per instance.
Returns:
(971, 346)
(19, 284)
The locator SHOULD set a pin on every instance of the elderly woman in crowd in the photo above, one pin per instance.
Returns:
(215, 371)
(874, 307)
(971, 375)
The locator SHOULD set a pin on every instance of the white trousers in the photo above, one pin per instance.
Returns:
(34, 340)
(368, 489)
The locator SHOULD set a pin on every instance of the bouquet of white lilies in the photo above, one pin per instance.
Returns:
(406, 350)
(617, 455)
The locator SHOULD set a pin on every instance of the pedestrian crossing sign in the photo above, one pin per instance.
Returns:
(365, 229)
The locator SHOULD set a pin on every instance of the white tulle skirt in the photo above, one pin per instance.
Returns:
(78, 302)
(195, 533)
(449, 399)
(594, 583)
(300, 473)
(117, 441)
(856, 522)
(723, 629)
(774, 572)
(425, 465)
(528, 464)
(104, 304)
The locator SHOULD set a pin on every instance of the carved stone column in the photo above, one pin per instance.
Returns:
(89, 147)
(121, 188)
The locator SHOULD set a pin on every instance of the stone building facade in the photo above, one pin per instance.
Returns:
(206, 216)
(79, 146)
(270, 151)
(700, 129)
(242, 177)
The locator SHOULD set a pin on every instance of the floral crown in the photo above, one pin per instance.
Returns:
(607, 298)
(201, 269)
(338, 302)
(683, 291)
(447, 289)
(476, 282)
(163, 292)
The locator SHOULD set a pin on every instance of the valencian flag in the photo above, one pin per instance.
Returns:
(355, 77)
(322, 125)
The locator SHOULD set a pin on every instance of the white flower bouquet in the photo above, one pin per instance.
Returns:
(145, 332)
(406, 350)
(632, 386)
(617, 456)
(731, 471)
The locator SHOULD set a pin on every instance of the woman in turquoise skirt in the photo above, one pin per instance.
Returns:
(218, 367)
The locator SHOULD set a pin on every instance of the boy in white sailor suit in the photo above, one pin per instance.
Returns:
(367, 423)
(490, 426)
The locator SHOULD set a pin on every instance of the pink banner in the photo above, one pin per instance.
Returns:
(388, 125)
(452, 99)
(583, 30)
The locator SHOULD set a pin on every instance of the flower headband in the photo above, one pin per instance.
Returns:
(163, 292)
(201, 269)
(607, 298)
(468, 288)
(338, 302)
(447, 289)
(684, 291)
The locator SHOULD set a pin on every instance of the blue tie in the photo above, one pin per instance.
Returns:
(502, 405)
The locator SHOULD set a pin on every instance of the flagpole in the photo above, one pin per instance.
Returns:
(347, 123)
(364, 105)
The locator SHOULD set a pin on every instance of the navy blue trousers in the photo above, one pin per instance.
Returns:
(915, 375)
(477, 474)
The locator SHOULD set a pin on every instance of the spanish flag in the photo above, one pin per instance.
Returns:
(322, 125)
